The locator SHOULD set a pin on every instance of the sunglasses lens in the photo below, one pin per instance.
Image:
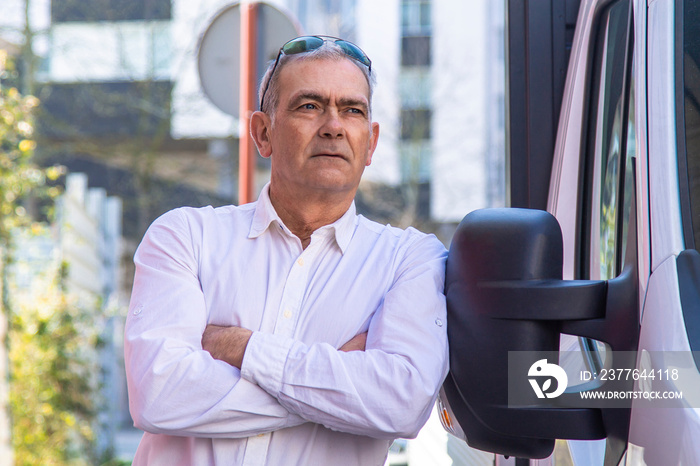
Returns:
(302, 44)
(353, 51)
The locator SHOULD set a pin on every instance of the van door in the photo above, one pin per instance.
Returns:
(606, 174)
(670, 335)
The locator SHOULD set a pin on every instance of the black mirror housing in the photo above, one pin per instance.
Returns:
(505, 293)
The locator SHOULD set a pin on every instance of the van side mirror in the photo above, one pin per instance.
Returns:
(505, 293)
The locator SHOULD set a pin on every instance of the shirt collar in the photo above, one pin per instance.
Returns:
(265, 215)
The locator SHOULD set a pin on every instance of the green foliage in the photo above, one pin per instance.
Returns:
(53, 373)
(18, 175)
(22, 182)
(51, 336)
(116, 462)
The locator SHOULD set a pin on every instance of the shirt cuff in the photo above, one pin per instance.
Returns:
(264, 360)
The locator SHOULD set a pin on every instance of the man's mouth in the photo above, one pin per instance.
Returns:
(339, 156)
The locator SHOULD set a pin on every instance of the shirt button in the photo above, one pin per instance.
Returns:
(300, 261)
(287, 313)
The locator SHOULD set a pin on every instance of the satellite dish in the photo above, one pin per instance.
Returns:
(218, 55)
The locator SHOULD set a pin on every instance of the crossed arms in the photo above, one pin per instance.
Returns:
(228, 344)
(188, 378)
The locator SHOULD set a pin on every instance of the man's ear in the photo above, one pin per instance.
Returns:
(260, 130)
(373, 138)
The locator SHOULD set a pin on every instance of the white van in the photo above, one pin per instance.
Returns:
(608, 281)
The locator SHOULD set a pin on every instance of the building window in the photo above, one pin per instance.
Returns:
(333, 17)
(415, 161)
(415, 95)
(415, 124)
(105, 109)
(415, 87)
(415, 18)
(109, 10)
(415, 51)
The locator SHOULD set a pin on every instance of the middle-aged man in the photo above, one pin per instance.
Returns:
(288, 331)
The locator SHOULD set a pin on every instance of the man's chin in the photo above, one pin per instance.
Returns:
(332, 182)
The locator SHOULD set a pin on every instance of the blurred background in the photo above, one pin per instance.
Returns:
(104, 126)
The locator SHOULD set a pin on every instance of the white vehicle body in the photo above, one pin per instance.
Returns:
(667, 436)
(623, 191)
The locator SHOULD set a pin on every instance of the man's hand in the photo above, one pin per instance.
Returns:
(227, 344)
(357, 343)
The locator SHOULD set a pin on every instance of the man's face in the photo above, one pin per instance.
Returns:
(320, 137)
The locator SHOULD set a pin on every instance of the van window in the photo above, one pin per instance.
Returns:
(691, 112)
(608, 159)
(608, 182)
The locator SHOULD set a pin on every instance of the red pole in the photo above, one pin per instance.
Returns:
(246, 148)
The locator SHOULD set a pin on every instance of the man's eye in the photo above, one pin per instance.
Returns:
(356, 110)
(308, 106)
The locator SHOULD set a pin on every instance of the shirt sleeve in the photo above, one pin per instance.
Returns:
(175, 387)
(386, 391)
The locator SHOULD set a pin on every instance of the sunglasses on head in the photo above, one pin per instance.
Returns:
(305, 44)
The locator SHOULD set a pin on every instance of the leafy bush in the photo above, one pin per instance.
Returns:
(53, 373)
(51, 335)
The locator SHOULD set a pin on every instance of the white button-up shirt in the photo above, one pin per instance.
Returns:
(297, 400)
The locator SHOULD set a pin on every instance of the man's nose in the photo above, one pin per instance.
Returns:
(332, 127)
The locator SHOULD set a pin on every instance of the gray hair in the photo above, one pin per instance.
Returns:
(328, 51)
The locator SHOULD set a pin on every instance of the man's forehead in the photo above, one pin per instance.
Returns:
(323, 75)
